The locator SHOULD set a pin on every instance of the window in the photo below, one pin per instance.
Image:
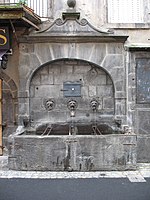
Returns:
(41, 7)
(125, 11)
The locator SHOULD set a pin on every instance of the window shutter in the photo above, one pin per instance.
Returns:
(125, 11)
(40, 7)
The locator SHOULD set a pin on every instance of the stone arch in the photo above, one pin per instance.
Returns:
(9, 106)
(47, 82)
(75, 59)
(10, 83)
(112, 61)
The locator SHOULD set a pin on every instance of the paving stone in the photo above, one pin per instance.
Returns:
(136, 177)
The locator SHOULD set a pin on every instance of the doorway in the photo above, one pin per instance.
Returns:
(8, 110)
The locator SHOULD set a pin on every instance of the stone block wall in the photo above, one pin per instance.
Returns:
(140, 94)
(44, 68)
(9, 107)
(47, 83)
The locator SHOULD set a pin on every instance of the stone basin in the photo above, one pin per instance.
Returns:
(75, 129)
(73, 152)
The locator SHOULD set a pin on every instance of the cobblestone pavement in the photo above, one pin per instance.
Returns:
(142, 172)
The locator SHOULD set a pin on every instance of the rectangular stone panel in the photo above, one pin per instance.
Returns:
(143, 80)
(143, 121)
(76, 153)
(143, 148)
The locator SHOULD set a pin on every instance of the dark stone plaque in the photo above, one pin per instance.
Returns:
(72, 89)
(143, 80)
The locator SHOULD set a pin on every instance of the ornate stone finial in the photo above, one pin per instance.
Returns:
(71, 3)
(71, 11)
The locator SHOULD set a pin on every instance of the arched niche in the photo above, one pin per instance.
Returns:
(9, 106)
(48, 84)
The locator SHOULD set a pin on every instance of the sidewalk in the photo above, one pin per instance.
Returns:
(142, 172)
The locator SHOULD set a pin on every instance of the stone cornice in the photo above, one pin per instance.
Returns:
(74, 31)
(73, 39)
(72, 26)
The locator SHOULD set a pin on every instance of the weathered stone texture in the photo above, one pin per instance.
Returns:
(107, 73)
(115, 60)
(105, 90)
(143, 118)
(53, 153)
(114, 48)
(121, 107)
(26, 48)
(95, 83)
(24, 61)
(9, 107)
(143, 148)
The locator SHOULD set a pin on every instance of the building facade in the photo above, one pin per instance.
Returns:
(76, 90)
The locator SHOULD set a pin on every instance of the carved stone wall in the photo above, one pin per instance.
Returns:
(48, 84)
(110, 58)
(9, 107)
